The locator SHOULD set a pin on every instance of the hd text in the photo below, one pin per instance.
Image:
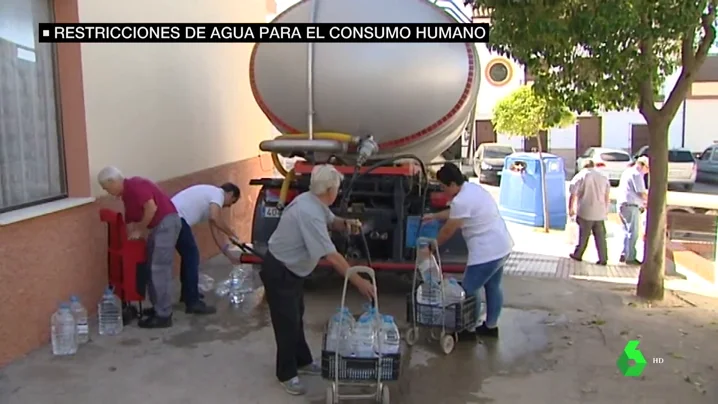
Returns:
(174, 33)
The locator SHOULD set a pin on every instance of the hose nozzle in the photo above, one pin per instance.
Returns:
(367, 148)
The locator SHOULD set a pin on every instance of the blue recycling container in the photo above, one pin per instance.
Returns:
(520, 196)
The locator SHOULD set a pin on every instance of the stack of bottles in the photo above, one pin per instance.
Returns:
(453, 294)
(69, 326)
(430, 293)
(366, 337)
(237, 286)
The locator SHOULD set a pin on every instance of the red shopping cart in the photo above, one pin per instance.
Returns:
(127, 272)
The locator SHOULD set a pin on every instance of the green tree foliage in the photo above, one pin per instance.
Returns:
(597, 55)
(524, 113)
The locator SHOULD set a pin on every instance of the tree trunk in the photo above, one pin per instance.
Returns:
(546, 223)
(650, 280)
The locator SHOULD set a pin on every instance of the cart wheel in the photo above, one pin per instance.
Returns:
(330, 395)
(385, 395)
(447, 344)
(412, 335)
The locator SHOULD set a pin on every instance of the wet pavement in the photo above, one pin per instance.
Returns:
(229, 357)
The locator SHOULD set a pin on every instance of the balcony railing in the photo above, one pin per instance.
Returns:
(455, 10)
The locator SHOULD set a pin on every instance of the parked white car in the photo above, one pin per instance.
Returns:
(611, 162)
(682, 167)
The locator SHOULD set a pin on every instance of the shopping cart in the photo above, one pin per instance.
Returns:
(448, 319)
(354, 372)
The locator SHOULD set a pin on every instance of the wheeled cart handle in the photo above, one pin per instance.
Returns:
(360, 269)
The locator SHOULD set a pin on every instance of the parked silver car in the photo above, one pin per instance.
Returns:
(708, 165)
(682, 167)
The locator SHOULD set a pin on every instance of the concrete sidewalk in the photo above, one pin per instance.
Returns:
(546, 255)
(560, 338)
(559, 343)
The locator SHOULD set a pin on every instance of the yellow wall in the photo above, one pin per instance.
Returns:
(165, 110)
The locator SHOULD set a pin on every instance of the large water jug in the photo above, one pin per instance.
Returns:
(339, 332)
(109, 312)
(368, 311)
(389, 338)
(79, 312)
(63, 331)
(364, 342)
(240, 284)
(428, 267)
(453, 292)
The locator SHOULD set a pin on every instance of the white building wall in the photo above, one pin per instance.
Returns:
(701, 130)
(165, 110)
(617, 128)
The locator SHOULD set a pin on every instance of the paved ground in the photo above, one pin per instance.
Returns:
(559, 343)
(703, 195)
(560, 338)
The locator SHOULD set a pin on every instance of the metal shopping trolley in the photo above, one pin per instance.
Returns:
(346, 371)
(448, 319)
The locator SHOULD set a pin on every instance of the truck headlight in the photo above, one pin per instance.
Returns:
(485, 166)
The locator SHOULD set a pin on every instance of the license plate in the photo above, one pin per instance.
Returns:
(271, 211)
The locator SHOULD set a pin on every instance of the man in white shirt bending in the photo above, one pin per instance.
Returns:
(198, 204)
(474, 211)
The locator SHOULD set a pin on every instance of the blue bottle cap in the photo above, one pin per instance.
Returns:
(109, 290)
(64, 305)
(388, 318)
(74, 299)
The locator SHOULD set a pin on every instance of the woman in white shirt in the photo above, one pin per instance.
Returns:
(489, 244)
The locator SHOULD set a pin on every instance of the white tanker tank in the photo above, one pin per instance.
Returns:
(414, 98)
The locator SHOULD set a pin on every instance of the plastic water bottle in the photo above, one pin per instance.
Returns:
(429, 292)
(237, 285)
(63, 331)
(364, 338)
(79, 312)
(389, 336)
(453, 294)
(368, 311)
(428, 267)
(109, 312)
(206, 282)
(339, 331)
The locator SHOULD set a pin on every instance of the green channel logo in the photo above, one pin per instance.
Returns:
(631, 353)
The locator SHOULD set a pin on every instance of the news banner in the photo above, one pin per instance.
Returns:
(184, 33)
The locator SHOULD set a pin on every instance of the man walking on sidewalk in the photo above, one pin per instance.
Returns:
(590, 190)
(198, 204)
(631, 198)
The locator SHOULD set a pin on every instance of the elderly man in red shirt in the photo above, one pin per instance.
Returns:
(149, 213)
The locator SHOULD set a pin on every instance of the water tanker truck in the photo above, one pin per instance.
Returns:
(378, 112)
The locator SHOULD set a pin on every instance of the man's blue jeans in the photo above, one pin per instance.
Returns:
(487, 275)
(631, 219)
(189, 268)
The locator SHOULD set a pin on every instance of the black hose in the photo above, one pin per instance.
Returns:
(357, 174)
